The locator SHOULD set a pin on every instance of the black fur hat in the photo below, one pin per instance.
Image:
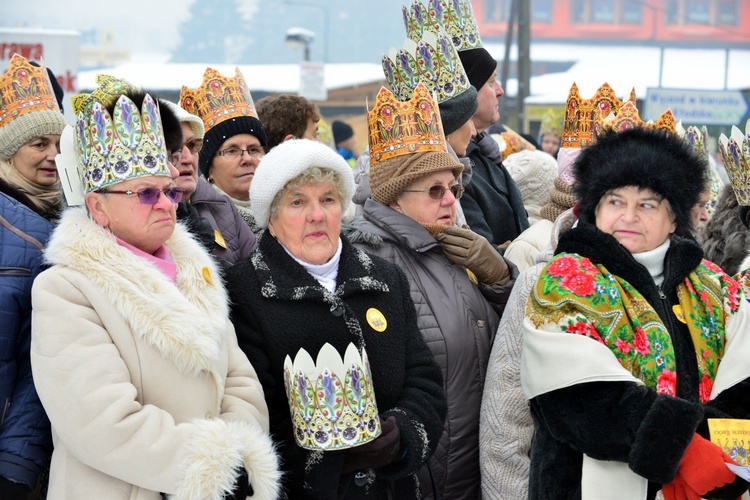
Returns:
(642, 158)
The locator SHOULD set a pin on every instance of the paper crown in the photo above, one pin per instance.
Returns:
(509, 141)
(735, 153)
(404, 127)
(432, 60)
(552, 123)
(108, 90)
(697, 139)
(219, 98)
(628, 117)
(24, 88)
(331, 401)
(455, 16)
(128, 144)
(582, 116)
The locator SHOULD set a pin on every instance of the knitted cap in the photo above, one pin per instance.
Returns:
(21, 130)
(285, 162)
(561, 198)
(479, 65)
(217, 134)
(194, 122)
(534, 172)
(458, 110)
(390, 177)
(341, 131)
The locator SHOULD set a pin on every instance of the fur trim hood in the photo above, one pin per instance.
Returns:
(642, 158)
(186, 321)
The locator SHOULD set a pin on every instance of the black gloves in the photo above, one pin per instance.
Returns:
(381, 451)
(197, 225)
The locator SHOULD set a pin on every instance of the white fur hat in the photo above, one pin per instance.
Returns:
(285, 162)
(194, 122)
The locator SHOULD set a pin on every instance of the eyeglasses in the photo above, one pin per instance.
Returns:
(234, 153)
(194, 145)
(437, 192)
(175, 158)
(150, 195)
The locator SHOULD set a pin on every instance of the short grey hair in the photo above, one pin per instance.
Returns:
(313, 175)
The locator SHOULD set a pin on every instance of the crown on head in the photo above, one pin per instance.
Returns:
(128, 144)
(583, 116)
(404, 127)
(24, 88)
(697, 139)
(432, 60)
(332, 401)
(628, 117)
(552, 123)
(735, 153)
(219, 98)
(509, 142)
(108, 90)
(455, 16)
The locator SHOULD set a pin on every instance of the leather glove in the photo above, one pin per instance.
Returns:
(702, 467)
(13, 491)
(242, 488)
(379, 452)
(466, 248)
(678, 490)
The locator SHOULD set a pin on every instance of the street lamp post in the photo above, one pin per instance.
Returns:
(300, 38)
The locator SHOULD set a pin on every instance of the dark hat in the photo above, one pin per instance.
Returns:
(217, 134)
(458, 110)
(642, 158)
(341, 131)
(479, 65)
(56, 87)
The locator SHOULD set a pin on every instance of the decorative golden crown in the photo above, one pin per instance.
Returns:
(509, 141)
(455, 16)
(128, 144)
(404, 127)
(552, 123)
(432, 60)
(697, 139)
(332, 401)
(582, 116)
(219, 98)
(24, 88)
(108, 90)
(735, 153)
(628, 117)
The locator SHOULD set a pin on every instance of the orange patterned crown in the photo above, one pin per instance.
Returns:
(583, 116)
(404, 127)
(628, 117)
(219, 98)
(25, 88)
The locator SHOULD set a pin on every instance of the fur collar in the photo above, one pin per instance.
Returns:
(187, 323)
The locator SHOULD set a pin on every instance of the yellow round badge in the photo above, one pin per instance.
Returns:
(376, 320)
(679, 313)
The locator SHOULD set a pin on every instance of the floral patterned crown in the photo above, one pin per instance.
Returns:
(697, 139)
(583, 116)
(24, 88)
(455, 16)
(219, 98)
(628, 117)
(552, 123)
(735, 153)
(331, 401)
(404, 127)
(126, 145)
(432, 60)
(108, 90)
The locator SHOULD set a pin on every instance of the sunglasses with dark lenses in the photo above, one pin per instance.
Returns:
(194, 145)
(437, 192)
(150, 195)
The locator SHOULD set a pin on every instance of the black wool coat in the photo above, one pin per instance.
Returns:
(278, 308)
(624, 421)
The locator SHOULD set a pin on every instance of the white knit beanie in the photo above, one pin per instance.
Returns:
(285, 162)
(194, 122)
(21, 130)
(534, 172)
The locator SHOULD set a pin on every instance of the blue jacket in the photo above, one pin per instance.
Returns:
(25, 436)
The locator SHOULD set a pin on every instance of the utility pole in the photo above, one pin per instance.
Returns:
(524, 60)
(508, 43)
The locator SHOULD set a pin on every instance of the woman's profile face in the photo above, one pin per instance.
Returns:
(308, 222)
(35, 160)
(638, 218)
(459, 139)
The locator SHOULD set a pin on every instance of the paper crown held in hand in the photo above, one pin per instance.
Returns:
(332, 401)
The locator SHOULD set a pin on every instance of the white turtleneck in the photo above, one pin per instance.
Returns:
(653, 260)
(327, 273)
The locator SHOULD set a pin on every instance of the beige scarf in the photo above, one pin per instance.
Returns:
(45, 198)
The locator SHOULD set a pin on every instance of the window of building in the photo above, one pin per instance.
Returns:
(671, 12)
(577, 11)
(541, 11)
(697, 12)
(496, 10)
(631, 11)
(727, 12)
(603, 11)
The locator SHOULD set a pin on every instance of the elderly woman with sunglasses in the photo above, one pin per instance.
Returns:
(133, 354)
(459, 283)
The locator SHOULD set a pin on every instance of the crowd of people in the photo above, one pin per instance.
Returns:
(545, 322)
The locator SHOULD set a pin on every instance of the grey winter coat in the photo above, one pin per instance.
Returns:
(458, 320)
(237, 241)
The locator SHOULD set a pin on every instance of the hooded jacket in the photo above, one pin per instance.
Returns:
(458, 321)
(142, 379)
